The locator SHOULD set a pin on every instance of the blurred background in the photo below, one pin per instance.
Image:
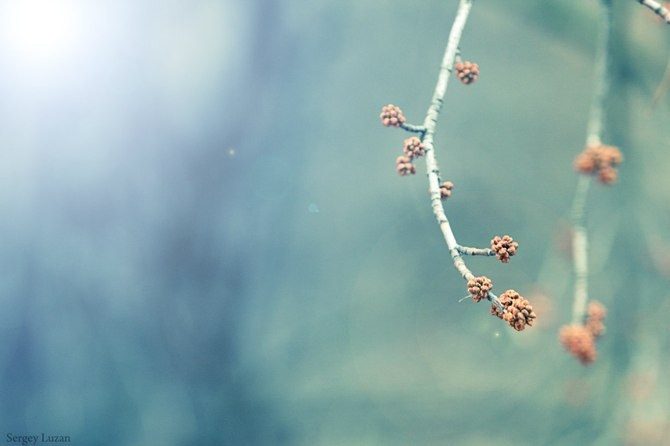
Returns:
(204, 240)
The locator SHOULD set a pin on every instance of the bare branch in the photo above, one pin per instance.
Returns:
(657, 8)
(594, 137)
(475, 251)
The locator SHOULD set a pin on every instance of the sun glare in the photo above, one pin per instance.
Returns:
(40, 30)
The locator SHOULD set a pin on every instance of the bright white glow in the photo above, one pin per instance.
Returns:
(40, 30)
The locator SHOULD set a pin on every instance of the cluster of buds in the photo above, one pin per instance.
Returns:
(580, 340)
(504, 247)
(404, 166)
(413, 147)
(392, 116)
(595, 315)
(518, 312)
(445, 190)
(599, 160)
(467, 72)
(479, 288)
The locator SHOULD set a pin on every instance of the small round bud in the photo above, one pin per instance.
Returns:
(607, 175)
(579, 341)
(518, 312)
(413, 147)
(467, 72)
(504, 247)
(445, 190)
(479, 288)
(595, 315)
(584, 163)
(596, 311)
(611, 156)
(392, 116)
(404, 166)
(600, 160)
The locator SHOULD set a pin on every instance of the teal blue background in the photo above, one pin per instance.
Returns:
(204, 240)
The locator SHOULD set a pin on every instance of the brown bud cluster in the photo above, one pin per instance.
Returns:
(479, 288)
(404, 166)
(579, 341)
(595, 315)
(445, 190)
(413, 147)
(392, 116)
(518, 311)
(599, 160)
(467, 72)
(504, 247)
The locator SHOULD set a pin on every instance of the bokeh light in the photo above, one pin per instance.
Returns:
(41, 31)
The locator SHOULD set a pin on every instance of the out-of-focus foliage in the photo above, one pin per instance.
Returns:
(204, 239)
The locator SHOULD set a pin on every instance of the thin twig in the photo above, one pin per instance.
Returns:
(601, 79)
(594, 137)
(413, 128)
(430, 124)
(580, 250)
(657, 8)
(475, 251)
